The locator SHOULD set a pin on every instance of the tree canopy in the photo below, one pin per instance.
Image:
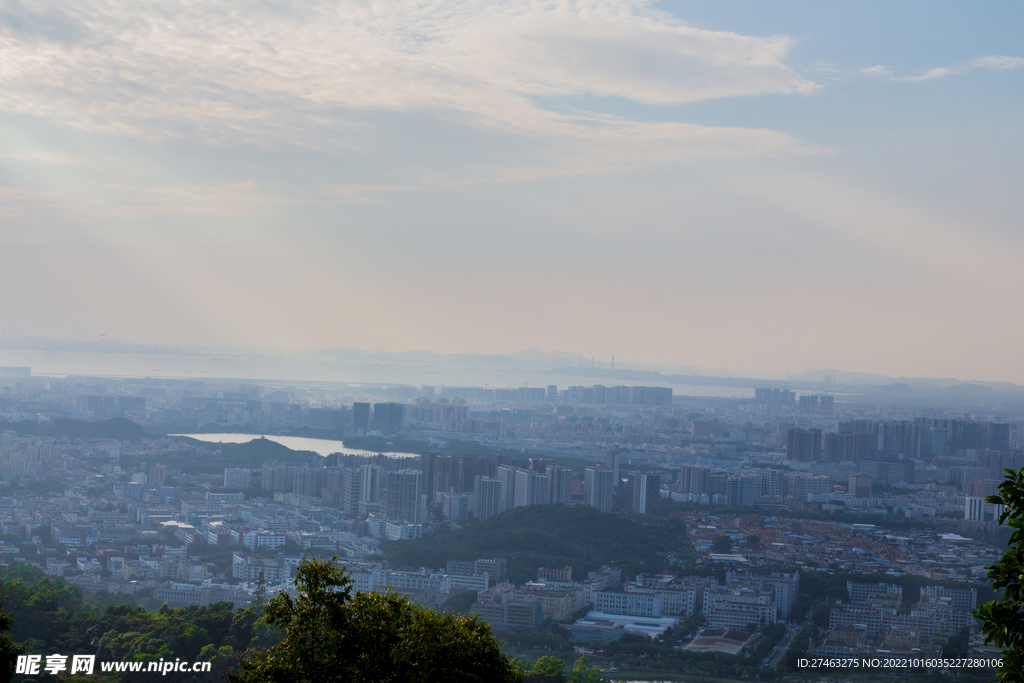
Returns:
(1003, 619)
(334, 634)
(552, 536)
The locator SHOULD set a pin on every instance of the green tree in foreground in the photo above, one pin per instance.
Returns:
(8, 650)
(333, 634)
(581, 673)
(548, 669)
(1003, 620)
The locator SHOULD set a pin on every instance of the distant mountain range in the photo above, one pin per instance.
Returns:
(565, 363)
(906, 385)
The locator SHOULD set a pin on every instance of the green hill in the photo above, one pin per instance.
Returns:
(551, 536)
(251, 454)
(119, 428)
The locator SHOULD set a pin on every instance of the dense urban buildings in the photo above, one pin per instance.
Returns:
(739, 473)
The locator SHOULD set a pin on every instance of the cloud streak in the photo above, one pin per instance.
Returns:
(997, 62)
(877, 70)
(317, 73)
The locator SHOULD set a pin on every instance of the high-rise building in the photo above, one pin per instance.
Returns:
(774, 398)
(618, 395)
(306, 481)
(560, 483)
(526, 488)
(542, 489)
(507, 477)
(428, 463)
(612, 461)
(276, 477)
(650, 396)
(694, 479)
(849, 447)
(403, 496)
(486, 497)
(645, 493)
(351, 489)
(371, 482)
(325, 418)
(857, 426)
(466, 469)
(742, 491)
(361, 416)
(803, 445)
(552, 396)
(998, 436)
(388, 417)
(597, 488)
(443, 473)
(899, 439)
(771, 483)
(717, 484)
(396, 415)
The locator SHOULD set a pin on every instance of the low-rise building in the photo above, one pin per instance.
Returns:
(740, 607)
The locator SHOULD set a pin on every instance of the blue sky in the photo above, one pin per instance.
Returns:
(743, 186)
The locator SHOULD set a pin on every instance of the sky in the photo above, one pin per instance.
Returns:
(762, 187)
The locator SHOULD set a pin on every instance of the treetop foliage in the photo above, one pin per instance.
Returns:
(333, 634)
(1003, 619)
(119, 428)
(552, 536)
(45, 616)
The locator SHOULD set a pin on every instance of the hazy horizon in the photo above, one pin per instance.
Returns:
(359, 366)
(737, 187)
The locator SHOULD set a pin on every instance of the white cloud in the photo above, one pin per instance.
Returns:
(317, 73)
(877, 70)
(938, 72)
(1001, 62)
(42, 157)
(998, 62)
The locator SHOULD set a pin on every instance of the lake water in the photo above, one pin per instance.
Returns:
(297, 443)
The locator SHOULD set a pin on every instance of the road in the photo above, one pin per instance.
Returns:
(784, 645)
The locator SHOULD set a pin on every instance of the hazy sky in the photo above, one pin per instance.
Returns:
(743, 185)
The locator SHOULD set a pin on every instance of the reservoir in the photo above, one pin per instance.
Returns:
(297, 443)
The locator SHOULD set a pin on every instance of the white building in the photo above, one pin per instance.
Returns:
(487, 495)
(263, 539)
(735, 607)
(682, 602)
(400, 531)
(403, 496)
(237, 478)
(598, 485)
(786, 587)
(643, 604)
(250, 568)
(977, 510)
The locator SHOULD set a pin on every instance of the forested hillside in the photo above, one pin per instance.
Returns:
(552, 536)
(50, 616)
